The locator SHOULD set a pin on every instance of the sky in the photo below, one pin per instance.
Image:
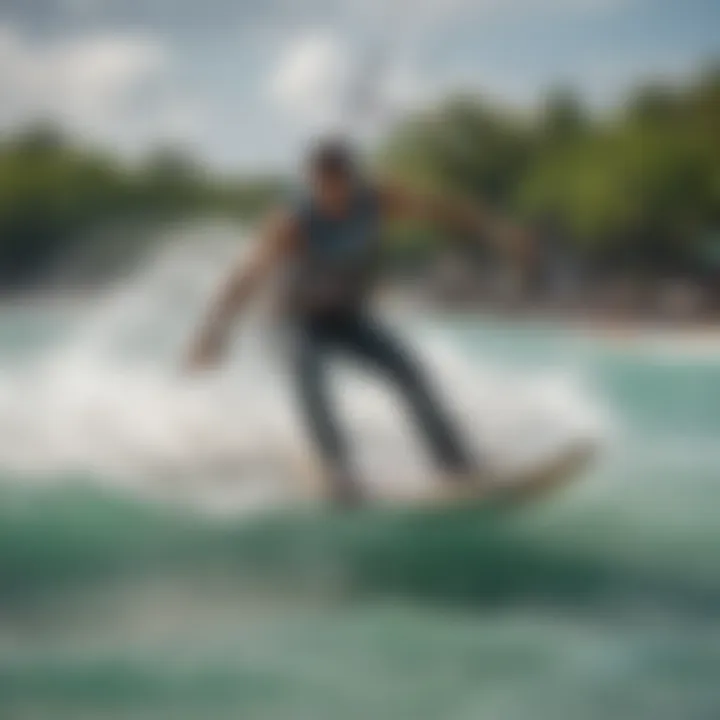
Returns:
(244, 83)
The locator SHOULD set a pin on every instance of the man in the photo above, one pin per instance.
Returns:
(327, 243)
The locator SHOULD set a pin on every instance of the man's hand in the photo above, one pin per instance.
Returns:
(206, 353)
(277, 240)
(463, 216)
(516, 241)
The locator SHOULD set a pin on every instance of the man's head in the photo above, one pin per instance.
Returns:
(332, 171)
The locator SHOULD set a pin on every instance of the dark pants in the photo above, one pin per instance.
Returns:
(356, 335)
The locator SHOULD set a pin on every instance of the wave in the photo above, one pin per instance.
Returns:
(473, 557)
(108, 401)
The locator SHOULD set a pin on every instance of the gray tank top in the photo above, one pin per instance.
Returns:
(338, 258)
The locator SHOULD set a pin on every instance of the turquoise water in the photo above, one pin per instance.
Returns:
(603, 602)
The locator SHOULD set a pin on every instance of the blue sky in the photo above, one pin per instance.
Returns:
(244, 82)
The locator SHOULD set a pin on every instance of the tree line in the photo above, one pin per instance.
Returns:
(636, 189)
(54, 192)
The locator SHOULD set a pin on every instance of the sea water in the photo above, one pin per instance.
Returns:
(152, 565)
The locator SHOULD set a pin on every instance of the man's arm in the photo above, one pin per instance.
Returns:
(457, 216)
(276, 242)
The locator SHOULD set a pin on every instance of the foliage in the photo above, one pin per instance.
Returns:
(640, 187)
(53, 194)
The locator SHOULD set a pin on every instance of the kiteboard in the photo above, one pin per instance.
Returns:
(508, 488)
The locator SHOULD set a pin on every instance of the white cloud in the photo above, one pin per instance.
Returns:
(311, 78)
(319, 71)
(323, 82)
(110, 87)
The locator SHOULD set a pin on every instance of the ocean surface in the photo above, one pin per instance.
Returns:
(153, 563)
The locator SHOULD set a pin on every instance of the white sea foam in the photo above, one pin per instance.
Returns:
(110, 403)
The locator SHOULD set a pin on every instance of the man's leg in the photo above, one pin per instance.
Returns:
(380, 349)
(313, 346)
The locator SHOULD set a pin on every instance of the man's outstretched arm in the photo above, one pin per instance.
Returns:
(458, 216)
(275, 243)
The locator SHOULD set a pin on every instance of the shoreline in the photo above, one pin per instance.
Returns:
(691, 334)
